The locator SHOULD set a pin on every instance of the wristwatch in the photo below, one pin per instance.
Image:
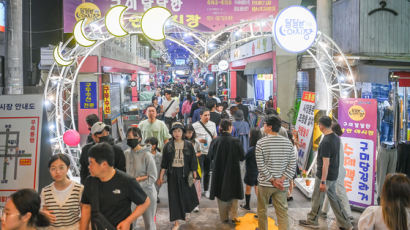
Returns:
(323, 182)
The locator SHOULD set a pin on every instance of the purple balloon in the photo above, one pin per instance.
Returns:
(71, 137)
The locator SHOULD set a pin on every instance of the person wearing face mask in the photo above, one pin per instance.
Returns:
(141, 165)
(100, 133)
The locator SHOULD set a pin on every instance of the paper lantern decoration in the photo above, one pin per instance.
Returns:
(71, 138)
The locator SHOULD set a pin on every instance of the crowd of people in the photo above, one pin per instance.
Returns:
(202, 148)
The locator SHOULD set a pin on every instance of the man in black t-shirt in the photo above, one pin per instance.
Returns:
(326, 176)
(109, 192)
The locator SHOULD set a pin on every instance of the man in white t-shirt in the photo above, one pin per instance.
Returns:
(170, 108)
(205, 131)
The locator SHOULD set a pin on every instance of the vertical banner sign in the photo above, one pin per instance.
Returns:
(304, 126)
(107, 100)
(358, 119)
(88, 95)
(20, 133)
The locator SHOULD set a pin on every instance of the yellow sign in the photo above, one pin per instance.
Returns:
(107, 101)
(87, 10)
(357, 113)
(266, 77)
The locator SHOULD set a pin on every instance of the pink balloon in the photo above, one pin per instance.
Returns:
(71, 137)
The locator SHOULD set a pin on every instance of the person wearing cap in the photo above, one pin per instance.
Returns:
(152, 127)
(170, 108)
(245, 110)
(180, 163)
(91, 119)
(100, 133)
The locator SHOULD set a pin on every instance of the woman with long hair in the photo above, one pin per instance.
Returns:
(394, 212)
(141, 165)
(251, 174)
(61, 199)
(22, 211)
(180, 163)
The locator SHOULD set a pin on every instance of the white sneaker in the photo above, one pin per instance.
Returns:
(207, 194)
(196, 209)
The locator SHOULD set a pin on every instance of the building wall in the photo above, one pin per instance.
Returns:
(346, 25)
(382, 33)
(286, 71)
(379, 34)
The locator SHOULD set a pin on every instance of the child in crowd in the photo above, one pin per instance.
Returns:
(156, 153)
(190, 135)
(251, 175)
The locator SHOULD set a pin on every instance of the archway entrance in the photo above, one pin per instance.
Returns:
(61, 82)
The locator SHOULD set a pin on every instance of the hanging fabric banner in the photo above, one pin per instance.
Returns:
(358, 119)
(304, 127)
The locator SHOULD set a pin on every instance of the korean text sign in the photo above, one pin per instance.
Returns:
(20, 140)
(88, 95)
(203, 15)
(358, 119)
(107, 100)
(304, 127)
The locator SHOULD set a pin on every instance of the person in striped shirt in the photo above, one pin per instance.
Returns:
(60, 200)
(276, 163)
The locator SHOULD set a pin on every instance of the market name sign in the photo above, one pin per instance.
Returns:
(295, 29)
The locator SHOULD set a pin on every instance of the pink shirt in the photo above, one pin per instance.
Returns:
(186, 107)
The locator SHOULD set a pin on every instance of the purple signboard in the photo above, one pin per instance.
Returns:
(358, 119)
(203, 15)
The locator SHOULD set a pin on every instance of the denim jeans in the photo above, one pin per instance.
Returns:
(386, 132)
(317, 201)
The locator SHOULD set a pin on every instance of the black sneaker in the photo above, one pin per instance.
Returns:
(290, 198)
(157, 200)
(244, 206)
(308, 224)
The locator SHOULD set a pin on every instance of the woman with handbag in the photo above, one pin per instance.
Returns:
(180, 163)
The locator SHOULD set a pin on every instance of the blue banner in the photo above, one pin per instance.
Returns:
(88, 95)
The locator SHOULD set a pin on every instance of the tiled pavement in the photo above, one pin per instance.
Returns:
(208, 217)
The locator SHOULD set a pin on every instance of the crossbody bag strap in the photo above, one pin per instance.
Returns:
(169, 106)
(206, 129)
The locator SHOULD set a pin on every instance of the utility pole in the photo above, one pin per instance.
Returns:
(324, 20)
(14, 70)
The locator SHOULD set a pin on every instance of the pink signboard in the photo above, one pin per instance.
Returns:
(358, 119)
(203, 15)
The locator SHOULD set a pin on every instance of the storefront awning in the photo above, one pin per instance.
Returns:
(260, 67)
